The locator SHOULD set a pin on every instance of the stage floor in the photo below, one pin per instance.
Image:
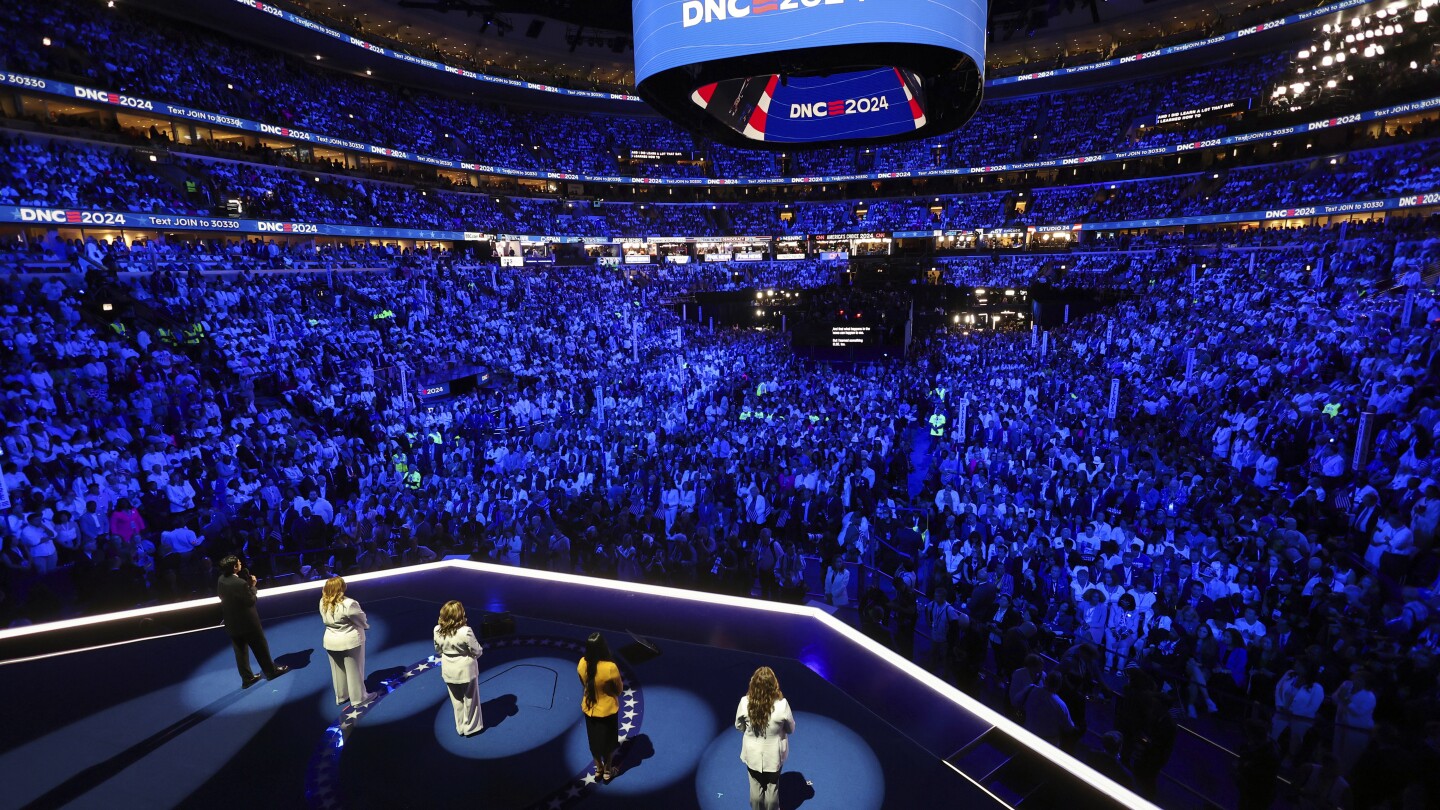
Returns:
(163, 722)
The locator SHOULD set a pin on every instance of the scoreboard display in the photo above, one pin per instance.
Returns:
(785, 72)
(818, 109)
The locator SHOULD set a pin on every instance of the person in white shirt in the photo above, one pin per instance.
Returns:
(181, 495)
(1297, 699)
(670, 506)
(37, 540)
(766, 722)
(948, 497)
(180, 540)
(1265, 468)
(1354, 719)
(322, 509)
(1250, 627)
(837, 583)
(344, 641)
(1392, 536)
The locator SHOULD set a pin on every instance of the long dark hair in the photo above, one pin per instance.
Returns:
(596, 650)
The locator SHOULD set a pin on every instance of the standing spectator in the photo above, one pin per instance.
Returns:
(837, 584)
(1046, 715)
(459, 651)
(1354, 719)
(38, 542)
(1297, 699)
(600, 701)
(345, 626)
(125, 521)
(766, 723)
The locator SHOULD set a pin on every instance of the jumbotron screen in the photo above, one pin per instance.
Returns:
(818, 109)
(782, 72)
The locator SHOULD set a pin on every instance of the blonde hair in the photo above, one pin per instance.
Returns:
(332, 595)
(452, 618)
(764, 692)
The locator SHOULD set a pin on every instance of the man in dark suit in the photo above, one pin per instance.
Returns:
(242, 623)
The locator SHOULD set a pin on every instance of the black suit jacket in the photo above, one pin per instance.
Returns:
(237, 605)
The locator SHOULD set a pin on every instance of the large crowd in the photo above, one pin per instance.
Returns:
(1213, 541)
(131, 51)
(1210, 495)
(45, 172)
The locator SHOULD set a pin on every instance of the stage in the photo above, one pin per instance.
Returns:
(145, 709)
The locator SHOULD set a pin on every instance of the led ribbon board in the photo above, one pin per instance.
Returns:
(781, 73)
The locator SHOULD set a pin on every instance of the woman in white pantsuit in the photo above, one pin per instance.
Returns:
(458, 648)
(345, 627)
(765, 718)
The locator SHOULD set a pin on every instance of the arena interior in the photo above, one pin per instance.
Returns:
(1046, 399)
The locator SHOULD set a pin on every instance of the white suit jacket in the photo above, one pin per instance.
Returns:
(458, 653)
(765, 751)
(345, 627)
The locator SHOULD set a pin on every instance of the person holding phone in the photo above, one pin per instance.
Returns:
(766, 722)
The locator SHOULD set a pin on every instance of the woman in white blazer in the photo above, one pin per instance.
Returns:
(458, 648)
(345, 627)
(765, 719)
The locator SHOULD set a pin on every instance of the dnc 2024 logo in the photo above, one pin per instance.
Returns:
(697, 12)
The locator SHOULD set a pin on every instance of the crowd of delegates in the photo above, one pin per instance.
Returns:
(56, 172)
(1063, 270)
(128, 50)
(680, 280)
(1212, 542)
(47, 173)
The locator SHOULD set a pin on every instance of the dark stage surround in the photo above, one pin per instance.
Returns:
(161, 721)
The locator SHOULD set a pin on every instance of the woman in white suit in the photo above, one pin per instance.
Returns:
(345, 627)
(459, 649)
(765, 719)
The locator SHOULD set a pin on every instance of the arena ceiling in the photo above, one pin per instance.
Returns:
(591, 38)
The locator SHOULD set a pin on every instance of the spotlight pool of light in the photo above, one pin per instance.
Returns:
(665, 748)
(217, 674)
(526, 704)
(829, 766)
(418, 695)
(134, 724)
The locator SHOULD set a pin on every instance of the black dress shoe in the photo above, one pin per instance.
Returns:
(278, 672)
(249, 682)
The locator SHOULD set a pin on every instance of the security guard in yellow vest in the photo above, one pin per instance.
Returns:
(937, 424)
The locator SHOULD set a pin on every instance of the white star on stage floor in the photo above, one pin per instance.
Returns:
(589, 779)
(627, 726)
(353, 715)
(555, 803)
(629, 692)
(630, 715)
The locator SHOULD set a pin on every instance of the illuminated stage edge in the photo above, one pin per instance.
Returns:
(938, 717)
